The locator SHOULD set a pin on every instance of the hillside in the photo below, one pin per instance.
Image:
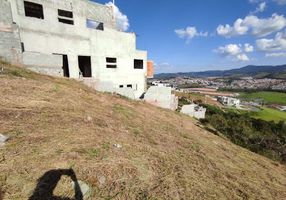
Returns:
(278, 72)
(122, 149)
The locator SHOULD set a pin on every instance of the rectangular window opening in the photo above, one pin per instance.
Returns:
(111, 62)
(65, 13)
(84, 63)
(138, 64)
(65, 17)
(94, 24)
(33, 10)
(121, 86)
(129, 86)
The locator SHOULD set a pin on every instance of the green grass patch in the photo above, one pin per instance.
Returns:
(269, 114)
(266, 97)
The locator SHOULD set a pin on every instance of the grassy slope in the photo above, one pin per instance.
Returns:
(269, 114)
(59, 123)
(268, 97)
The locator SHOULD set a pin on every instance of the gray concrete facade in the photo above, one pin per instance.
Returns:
(10, 44)
(45, 44)
(161, 96)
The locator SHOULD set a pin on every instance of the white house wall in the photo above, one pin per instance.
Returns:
(48, 36)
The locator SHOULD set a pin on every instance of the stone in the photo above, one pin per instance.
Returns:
(119, 146)
(3, 139)
(101, 180)
(88, 118)
(85, 189)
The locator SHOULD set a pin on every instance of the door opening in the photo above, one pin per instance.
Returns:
(84, 63)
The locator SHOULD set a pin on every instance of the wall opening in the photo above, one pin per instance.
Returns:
(138, 64)
(84, 63)
(121, 86)
(129, 86)
(65, 17)
(33, 10)
(22, 47)
(94, 24)
(111, 62)
(66, 66)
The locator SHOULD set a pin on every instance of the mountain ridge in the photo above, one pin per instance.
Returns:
(259, 71)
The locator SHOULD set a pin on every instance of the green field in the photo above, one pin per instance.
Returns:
(267, 97)
(269, 114)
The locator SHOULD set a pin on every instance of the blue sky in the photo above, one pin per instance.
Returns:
(196, 35)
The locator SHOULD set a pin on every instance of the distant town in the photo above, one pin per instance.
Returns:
(244, 83)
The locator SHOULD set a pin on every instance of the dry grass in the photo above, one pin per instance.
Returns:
(199, 97)
(59, 123)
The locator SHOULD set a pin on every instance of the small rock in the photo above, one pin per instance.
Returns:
(3, 139)
(119, 146)
(101, 180)
(88, 118)
(85, 189)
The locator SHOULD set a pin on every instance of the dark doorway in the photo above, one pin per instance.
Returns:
(66, 66)
(84, 63)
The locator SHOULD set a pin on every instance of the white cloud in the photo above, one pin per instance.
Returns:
(261, 7)
(256, 26)
(122, 22)
(242, 57)
(230, 49)
(248, 48)
(278, 43)
(280, 2)
(189, 33)
(235, 51)
(278, 54)
(237, 29)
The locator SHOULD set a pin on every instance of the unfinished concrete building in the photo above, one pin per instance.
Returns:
(162, 97)
(194, 110)
(72, 38)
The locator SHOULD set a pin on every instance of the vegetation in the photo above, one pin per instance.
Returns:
(262, 137)
(266, 96)
(122, 149)
(269, 114)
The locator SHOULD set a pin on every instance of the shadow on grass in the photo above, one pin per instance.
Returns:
(48, 182)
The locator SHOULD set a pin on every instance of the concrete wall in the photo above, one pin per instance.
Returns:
(10, 44)
(161, 96)
(44, 63)
(48, 36)
(194, 110)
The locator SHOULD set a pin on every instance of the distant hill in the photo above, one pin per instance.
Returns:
(266, 71)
